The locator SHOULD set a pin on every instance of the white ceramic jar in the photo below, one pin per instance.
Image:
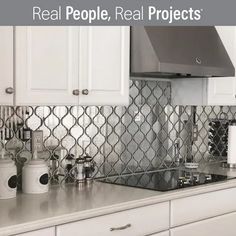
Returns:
(35, 177)
(8, 179)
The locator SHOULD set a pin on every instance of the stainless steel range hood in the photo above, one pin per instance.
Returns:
(178, 51)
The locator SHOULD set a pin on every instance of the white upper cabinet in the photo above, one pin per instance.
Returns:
(6, 65)
(222, 91)
(46, 65)
(72, 65)
(209, 91)
(106, 75)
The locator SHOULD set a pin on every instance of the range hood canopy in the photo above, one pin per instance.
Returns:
(178, 51)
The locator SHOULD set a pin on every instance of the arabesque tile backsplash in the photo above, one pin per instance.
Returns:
(148, 134)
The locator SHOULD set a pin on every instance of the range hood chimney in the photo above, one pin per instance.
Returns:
(178, 51)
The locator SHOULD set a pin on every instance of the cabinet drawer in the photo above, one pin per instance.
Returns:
(199, 207)
(140, 221)
(217, 226)
(166, 233)
(42, 232)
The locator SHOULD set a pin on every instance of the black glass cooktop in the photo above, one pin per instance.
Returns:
(166, 180)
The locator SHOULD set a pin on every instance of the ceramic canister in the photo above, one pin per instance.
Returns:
(35, 177)
(8, 179)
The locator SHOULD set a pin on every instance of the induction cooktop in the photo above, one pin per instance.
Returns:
(166, 180)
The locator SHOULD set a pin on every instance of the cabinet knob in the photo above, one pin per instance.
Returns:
(85, 92)
(76, 92)
(9, 90)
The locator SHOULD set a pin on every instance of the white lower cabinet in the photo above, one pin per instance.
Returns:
(166, 233)
(202, 206)
(136, 222)
(212, 213)
(42, 232)
(217, 226)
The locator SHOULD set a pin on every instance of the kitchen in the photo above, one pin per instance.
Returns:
(127, 129)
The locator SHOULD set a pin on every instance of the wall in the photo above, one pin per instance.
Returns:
(140, 137)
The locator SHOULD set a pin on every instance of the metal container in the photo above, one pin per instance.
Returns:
(80, 170)
(54, 168)
(89, 168)
(69, 171)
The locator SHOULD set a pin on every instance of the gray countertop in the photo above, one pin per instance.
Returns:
(69, 203)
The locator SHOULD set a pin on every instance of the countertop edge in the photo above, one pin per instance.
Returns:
(82, 215)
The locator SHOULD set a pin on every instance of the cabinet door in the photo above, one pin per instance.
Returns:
(205, 206)
(46, 65)
(222, 91)
(106, 76)
(41, 232)
(212, 91)
(6, 64)
(217, 226)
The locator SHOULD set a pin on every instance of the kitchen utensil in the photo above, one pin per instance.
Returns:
(80, 170)
(54, 167)
(70, 161)
(191, 165)
(89, 165)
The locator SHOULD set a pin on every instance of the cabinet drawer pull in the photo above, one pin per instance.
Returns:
(9, 90)
(121, 228)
